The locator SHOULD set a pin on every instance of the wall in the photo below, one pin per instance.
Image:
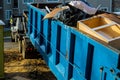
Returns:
(103, 3)
(116, 5)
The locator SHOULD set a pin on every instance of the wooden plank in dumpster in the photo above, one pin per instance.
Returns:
(54, 12)
(102, 29)
(112, 17)
(1, 51)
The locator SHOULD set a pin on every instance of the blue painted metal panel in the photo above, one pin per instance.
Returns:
(70, 54)
(99, 56)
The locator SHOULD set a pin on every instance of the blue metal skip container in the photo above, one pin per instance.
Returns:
(70, 54)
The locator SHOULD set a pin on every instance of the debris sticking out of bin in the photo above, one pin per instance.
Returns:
(68, 14)
(54, 12)
(101, 28)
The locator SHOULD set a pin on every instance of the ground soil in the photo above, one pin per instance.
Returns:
(17, 68)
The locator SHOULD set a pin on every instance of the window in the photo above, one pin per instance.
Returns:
(0, 7)
(104, 8)
(116, 9)
(8, 13)
(28, 1)
(53, 0)
(15, 4)
(8, 1)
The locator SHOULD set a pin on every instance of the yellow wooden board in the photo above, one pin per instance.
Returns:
(106, 31)
(112, 17)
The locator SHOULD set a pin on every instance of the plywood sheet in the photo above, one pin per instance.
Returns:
(112, 17)
(87, 30)
(108, 33)
(96, 21)
(54, 12)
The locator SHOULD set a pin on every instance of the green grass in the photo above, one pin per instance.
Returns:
(7, 33)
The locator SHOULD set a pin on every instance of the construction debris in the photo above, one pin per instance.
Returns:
(69, 13)
(102, 25)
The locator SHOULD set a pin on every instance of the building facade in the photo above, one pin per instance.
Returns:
(105, 5)
(116, 5)
(1, 10)
(8, 7)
